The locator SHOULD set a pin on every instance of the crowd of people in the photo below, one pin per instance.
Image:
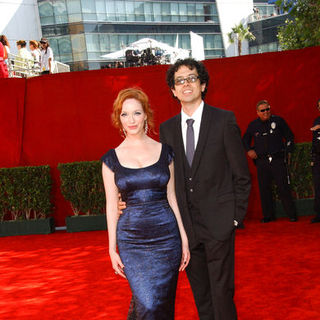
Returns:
(138, 58)
(37, 60)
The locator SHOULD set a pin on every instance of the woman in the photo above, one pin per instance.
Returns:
(4, 40)
(24, 60)
(35, 52)
(150, 236)
(3, 66)
(46, 60)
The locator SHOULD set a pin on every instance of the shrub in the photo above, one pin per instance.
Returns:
(25, 192)
(300, 172)
(82, 186)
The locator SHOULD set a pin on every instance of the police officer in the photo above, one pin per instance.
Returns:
(315, 163)
(272, 144)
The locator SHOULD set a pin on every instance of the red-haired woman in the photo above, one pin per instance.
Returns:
(149, 234)
(35, 52)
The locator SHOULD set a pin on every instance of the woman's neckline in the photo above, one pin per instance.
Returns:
(151, 165)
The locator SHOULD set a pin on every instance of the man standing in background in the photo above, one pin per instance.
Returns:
(315, 163)
(273, 142)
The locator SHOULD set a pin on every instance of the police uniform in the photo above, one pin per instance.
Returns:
(315, 154)
(272, 139)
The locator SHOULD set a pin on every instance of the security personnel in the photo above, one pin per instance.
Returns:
(315, 163)
(272, 143)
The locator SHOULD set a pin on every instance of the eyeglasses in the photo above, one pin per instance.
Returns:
(190, 79)
(264, 110)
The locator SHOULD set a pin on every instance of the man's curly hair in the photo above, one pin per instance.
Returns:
(191, 64)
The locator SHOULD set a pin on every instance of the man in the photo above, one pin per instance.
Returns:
(272, 144)
(315, 163)
(212, 187)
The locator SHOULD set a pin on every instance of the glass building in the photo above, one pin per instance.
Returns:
(266, 31)
(264, 24)
(81, 31)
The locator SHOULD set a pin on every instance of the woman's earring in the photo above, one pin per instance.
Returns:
(145, 127)
(124, 132)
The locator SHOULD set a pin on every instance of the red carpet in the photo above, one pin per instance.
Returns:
(69, 276)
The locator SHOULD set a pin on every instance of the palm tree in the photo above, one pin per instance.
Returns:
(240, 33)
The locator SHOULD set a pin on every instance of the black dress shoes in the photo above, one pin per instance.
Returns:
(294, 219)
(267, 219)
(315, 219)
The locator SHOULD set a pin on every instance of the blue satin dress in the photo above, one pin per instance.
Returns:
(148, 237)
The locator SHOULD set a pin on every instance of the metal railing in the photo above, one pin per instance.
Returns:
(26, 68)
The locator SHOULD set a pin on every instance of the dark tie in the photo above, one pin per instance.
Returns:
(190, 141)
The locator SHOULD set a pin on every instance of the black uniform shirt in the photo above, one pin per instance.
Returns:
(316, 139)
(269, 137)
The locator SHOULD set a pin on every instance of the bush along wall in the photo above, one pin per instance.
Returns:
(301, 183)
(300, 174)
(82, 186)
(25, 193)
(300, 171)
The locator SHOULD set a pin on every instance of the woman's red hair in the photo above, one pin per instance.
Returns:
(131, 93)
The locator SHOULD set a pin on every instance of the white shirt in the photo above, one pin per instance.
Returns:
(196, 116)
(36, 53)
(45, 59)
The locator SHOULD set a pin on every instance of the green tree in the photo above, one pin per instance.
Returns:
(302, 29)
(240, 33)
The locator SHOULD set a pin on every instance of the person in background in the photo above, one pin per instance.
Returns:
(315, 163)
(24, 60)
(35, 52)
(5, 42)
(3, 66)
(273, 142)
(46, 60)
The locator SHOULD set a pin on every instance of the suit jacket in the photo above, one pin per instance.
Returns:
(220, 174)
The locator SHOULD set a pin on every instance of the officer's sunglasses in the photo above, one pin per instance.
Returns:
(264, 110)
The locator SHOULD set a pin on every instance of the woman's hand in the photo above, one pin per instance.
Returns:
(117, 264)
(185, 258)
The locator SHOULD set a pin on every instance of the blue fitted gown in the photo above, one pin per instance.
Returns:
(148, 237)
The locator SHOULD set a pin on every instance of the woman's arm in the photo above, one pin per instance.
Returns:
(171, 195)
(111, 191)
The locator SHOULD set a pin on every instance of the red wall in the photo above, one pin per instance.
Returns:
(66, 117)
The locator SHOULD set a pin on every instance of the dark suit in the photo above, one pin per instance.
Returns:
(211, 195)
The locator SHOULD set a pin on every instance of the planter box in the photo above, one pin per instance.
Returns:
(86, 223)
(26, 227)
(304, 207)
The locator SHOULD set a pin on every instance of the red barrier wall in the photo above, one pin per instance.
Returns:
(66, 117)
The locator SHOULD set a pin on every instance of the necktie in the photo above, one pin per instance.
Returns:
(190, 141)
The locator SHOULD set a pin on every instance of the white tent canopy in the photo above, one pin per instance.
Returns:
(145, 43)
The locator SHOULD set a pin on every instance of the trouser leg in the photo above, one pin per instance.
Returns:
(197, 272)
(316, 183)
(220, 257)
(265, 188)
(279, 171)
(211, 276)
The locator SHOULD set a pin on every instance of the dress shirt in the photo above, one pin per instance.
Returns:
(196, 116)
